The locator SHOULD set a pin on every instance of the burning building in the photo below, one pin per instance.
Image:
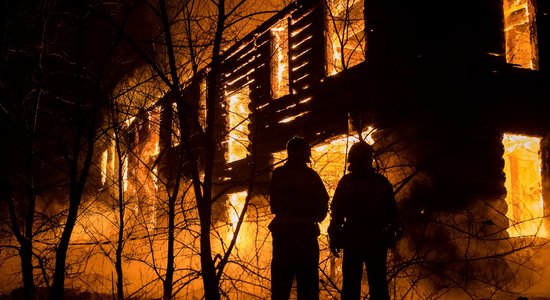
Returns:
(453, 103)
(452, 100)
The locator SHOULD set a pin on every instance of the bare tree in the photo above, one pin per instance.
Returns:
(189, 247)
(200, 48)
(346, 38)
(53, 102)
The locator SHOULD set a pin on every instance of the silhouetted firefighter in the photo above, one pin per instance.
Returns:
(299, 201)
(363, 224)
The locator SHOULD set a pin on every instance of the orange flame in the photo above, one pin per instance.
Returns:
(279, 60)
(520, 34)
(523, 183)
(238, 125)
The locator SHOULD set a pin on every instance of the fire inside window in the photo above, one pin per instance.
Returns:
(151, 147)
(125, 172)
(107, 164)
(523, 185)
(279, 60)
(237, 115)
(345, 34)
(520, 33)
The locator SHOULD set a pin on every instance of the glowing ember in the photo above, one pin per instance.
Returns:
(523, 183)
(292, 118)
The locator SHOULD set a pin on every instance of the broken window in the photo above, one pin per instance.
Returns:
(238, 121)
(520, 33)
(523, 185)
(345, 34)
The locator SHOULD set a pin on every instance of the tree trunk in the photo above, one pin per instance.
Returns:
(25, 242)
(120, 181)
(210, 280)
(80, 161)
(25, 252)
(76, 190)
(169, 279)
(61, 253)
(203, 193)
(118, 267)
(120, 244)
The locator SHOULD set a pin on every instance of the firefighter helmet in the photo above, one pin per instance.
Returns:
(360, 152)
(298, 148)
